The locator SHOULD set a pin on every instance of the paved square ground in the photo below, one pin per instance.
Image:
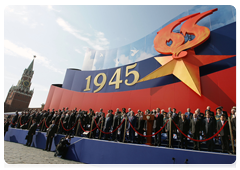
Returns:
(15, 153)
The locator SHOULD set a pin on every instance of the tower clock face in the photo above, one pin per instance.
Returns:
(26, 83)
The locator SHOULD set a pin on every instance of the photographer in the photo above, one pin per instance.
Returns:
(62, 146)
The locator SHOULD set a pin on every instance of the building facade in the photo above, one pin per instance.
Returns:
(19, 96)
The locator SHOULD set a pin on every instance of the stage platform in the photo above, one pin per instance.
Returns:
(95, 151)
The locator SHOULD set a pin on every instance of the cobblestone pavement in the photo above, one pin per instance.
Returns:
(15, 153)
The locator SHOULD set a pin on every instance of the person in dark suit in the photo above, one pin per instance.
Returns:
(95, 118)
(31, 132)
(159, 124)
(183, 125)
(140, 127)
(168, 127)
(116, 123)
(209, 127)
(107, 126)
(101, 122)
(50, 135)
(78, 127)
(14, 119)
(188, 114)
(233, 122)
(6, 125)
(235, 126)
(175, 118)
(195, 129)
(224, 133)
(211, 112)
(132, 120)
(71, 121)
(123, 127)
(62, 146)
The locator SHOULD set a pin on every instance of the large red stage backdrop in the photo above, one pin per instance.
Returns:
(188, 73)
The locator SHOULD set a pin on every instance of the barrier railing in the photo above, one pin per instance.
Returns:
(200, 140)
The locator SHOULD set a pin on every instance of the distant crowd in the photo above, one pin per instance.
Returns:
(123, 125)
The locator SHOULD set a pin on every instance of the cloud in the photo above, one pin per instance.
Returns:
(49, 7)
(22, 15)
(123, 60)
(99, 43)
(78, 51)
(25, 52)
(88, 61)
(39, 87)
(143, 56)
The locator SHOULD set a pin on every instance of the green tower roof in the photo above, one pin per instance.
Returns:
(30, 67)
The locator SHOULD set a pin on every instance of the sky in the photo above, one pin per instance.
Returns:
(59, 35)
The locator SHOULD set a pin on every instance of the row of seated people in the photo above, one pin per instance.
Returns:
(194, 124)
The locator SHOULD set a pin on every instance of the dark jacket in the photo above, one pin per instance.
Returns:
(32, 129)
(195, 127)
(234, 124)
(225, 130)
(183, 126)
(159, 121)
(51, 130)
(209, 127)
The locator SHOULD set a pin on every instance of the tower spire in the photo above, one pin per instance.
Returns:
(30, 67)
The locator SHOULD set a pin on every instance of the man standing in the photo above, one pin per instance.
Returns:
(209, 128)
(50, 134)
(159, 124)
(184, 127)
(195, 129)
(224, 133)
(14, 119)
(107, 126)
(123, 127)
(6, 125)
(168, 128)
(116, 123)
(188, 114)
(235, 126)
(31, 132)
(132, 120)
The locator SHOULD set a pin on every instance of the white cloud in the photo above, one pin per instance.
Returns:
(52, 9)
(88, 61)
(124, 60)
(99, 43)
(39, 87)
(78, 51)
(25, 52)
(143, 56)
(21, 14)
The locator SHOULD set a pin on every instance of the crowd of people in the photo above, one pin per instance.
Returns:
(122, 125)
